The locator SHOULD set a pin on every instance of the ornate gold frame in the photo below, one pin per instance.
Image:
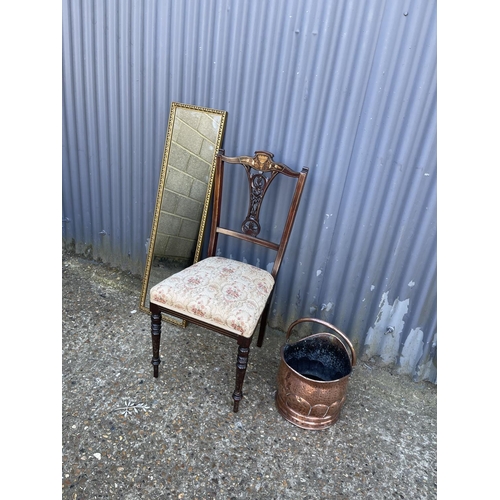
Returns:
(159, 197)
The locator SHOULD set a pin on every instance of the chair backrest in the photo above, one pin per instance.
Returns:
(261, 170)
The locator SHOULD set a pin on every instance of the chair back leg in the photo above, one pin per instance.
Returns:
(263, 323)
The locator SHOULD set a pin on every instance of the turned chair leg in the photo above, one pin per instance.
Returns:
(155, 337)
(241, 368)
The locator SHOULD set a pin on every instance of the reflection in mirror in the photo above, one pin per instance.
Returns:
(194, 136)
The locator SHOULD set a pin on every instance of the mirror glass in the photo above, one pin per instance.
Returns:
(194, 135)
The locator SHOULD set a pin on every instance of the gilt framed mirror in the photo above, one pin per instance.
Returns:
(194, 135)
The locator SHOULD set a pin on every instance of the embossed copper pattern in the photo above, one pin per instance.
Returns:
(307, 403)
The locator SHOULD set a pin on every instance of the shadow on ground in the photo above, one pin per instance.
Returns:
(129, 436)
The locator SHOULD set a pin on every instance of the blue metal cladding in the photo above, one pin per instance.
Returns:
(347, 88)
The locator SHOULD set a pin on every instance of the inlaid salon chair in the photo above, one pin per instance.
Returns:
(221, 294)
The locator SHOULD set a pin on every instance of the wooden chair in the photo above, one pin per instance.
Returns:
(225, 295)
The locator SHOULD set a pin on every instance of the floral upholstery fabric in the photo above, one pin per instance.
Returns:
(220, 291)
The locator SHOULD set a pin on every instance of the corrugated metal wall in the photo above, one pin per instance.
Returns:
(347, 88)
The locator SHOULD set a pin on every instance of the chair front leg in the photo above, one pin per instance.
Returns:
(155, 337)
(241, 368)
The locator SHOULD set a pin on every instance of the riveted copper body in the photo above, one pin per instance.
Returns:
(313, 376)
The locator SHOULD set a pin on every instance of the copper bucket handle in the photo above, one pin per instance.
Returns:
(343, 337)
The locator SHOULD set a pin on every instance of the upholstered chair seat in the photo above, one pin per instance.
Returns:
(222, 292)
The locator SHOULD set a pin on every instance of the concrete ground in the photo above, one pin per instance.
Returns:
(126, 435)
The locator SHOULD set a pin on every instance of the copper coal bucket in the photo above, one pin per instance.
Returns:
(312, 377)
